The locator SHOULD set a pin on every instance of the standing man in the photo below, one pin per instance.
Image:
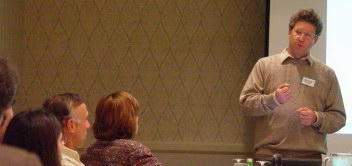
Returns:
(295, 98)
(8, 86)
(71, 110)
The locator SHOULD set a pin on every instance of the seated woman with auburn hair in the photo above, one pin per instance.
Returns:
(116, 123)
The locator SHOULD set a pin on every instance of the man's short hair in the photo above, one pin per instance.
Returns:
(309, 16)
(62, 105)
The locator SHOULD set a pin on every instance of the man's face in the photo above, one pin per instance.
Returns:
(80, 134)
(301, 39)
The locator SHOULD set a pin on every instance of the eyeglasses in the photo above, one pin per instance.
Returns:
(308, 35)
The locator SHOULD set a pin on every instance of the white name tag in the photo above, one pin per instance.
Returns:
(308, 81)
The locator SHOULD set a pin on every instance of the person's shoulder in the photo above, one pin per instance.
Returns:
(322, 67)
(118, 145)
(131, 145)
(10, 151)
(270, 58)
(15, 156)
(129, 142)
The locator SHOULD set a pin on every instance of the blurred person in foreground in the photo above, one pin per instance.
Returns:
(8, 86)
(116, 123)
(295, 98)
(71, 111)
(38, 132)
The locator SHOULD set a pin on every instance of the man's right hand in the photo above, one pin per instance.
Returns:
(283, 93)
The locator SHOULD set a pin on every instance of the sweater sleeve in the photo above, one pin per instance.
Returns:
(333, 117)
(252, 98)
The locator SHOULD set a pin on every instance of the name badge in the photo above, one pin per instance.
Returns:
(307, 81)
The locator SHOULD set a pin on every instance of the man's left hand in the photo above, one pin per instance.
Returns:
(307, 116)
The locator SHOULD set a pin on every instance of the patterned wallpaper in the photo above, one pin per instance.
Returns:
(184, 60)
(11, 29)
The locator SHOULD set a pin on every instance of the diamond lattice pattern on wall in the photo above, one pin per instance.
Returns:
(184, 60)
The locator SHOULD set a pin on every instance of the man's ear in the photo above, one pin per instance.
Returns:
(70, 125)
(316, 39)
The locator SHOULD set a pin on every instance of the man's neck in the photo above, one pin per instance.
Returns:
(295, 57)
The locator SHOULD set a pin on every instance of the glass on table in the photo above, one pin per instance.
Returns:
(262, 163)
(239, 162)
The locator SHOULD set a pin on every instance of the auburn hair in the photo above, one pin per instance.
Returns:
(116, 117)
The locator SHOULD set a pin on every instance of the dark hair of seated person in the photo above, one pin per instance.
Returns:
(38, 132)
(8, 84)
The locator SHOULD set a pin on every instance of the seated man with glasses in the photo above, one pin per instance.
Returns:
(71, 110)
(295, 98)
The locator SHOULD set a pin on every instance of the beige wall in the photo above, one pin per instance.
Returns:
(11, 29)
(185, 61)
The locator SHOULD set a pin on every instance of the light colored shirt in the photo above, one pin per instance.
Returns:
(70, 157)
